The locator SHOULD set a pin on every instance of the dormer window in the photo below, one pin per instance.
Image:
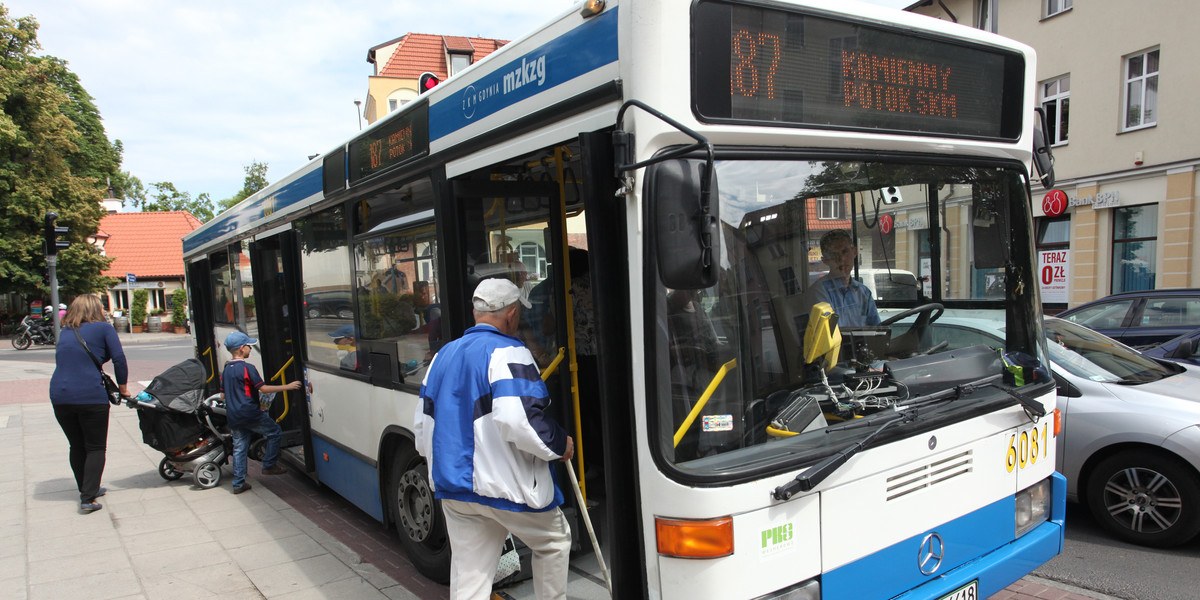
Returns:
(458, 62)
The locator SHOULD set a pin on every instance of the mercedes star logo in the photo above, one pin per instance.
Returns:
(929, 556)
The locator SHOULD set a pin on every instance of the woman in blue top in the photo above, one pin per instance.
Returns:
(77, 392)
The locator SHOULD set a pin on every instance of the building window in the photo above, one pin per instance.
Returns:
(458, 62)
(829, 207)
(1141, 90)
(1053, 7)
(1135, 242)
(1056, 101)
(393, 104)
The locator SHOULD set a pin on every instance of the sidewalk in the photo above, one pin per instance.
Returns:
(153, 538)
(156, 539)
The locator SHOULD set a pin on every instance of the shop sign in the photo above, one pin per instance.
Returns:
(913, 223)
(1054, 269)
(1101, 200)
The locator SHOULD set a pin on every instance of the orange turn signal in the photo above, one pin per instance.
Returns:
(1057, 422)
(694, 539)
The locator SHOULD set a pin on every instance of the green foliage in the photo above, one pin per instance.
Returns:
(256, 179)
(138, 311)
(179, 308)
(54, 156)
(165, 197)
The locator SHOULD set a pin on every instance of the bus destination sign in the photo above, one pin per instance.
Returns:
(397, 141)
(799, 69)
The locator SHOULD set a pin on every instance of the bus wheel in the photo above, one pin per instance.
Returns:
(1145, 498)
(418, 517)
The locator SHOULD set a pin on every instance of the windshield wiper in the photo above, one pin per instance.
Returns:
(814, 475)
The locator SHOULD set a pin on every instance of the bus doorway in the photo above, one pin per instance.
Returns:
(276, 271)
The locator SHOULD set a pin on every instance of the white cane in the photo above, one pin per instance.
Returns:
(587, 521)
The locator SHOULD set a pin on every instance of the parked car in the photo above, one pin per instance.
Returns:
(335, 303)
(1184, 349)
(1130, 441)
(1141, 319)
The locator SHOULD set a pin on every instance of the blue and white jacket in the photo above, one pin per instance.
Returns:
(482, 425)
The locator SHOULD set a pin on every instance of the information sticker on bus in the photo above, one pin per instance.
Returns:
(966, 592)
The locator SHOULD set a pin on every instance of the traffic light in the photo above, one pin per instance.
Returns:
(52, 234)
(427, 82)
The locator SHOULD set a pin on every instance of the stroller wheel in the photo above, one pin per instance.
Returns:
(258, 449)
(207, 475)
(167, 471)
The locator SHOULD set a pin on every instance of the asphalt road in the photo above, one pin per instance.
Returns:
(1094, 561)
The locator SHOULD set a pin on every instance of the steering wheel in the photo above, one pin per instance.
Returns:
(909, 342)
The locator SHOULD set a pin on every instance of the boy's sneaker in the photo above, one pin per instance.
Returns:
(89, 507)
(245, 486)
(275, 470)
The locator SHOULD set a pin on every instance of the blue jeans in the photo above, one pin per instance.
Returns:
(264, 426)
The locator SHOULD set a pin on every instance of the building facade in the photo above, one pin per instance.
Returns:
(1117, 85)
(399, 64)
(145, 245)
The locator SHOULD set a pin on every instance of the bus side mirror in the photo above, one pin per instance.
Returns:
(684, 223)
(1043, 158)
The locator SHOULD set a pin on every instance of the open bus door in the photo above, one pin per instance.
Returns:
(200, 311)
(276, 270)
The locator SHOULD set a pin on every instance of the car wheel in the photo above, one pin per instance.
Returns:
(418, 517)
(1145, 498)
(313, 313)
(345, 313)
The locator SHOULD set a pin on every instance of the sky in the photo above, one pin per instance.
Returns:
(197, 91)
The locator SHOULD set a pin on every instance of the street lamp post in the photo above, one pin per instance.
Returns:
(358, 111)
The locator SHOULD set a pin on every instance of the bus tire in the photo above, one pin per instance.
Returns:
(1145, 498)
(418, 517)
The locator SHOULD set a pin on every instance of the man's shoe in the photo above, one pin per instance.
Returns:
(275, 470)
(89, 507)
(102, 491)
(245, 486)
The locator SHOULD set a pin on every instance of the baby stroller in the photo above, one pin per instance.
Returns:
(189, 429)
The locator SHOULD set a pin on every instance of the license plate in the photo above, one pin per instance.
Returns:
(966, 592)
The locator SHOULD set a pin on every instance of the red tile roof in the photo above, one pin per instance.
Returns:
(420, 52)
(147, 244)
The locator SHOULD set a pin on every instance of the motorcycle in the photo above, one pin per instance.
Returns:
(33, 331)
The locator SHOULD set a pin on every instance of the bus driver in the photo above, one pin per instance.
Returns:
(850, 299)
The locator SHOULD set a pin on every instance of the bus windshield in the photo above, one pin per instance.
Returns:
(817, 259)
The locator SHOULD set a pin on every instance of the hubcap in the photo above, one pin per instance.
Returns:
(416, 506)
(1143, 500)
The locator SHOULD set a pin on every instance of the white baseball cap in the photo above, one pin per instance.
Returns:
(494, 294)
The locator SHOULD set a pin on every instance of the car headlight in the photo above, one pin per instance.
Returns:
(1033, 507)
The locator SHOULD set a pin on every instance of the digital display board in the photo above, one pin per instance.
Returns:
(400, 139)
(760, 65)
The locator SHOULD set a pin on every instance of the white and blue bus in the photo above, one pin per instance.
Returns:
(658, 176)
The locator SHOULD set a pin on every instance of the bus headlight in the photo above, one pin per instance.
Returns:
(1033, 507)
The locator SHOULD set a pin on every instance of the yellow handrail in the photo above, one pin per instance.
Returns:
(212, 366)
(553, 366)
(279, 375)
(708, 392)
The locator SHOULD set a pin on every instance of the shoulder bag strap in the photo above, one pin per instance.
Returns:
(86, 349)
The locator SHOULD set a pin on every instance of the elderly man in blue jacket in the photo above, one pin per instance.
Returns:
(482, 426)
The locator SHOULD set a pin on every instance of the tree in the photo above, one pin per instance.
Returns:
(256, 179)
(179, 307)
(137, 313)
(54, 156)
(166, 197)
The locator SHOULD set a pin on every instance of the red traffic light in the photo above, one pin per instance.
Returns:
(427, 82)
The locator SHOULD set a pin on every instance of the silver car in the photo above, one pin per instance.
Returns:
(1130, 443)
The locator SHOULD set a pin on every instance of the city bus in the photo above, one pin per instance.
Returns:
(658, 176)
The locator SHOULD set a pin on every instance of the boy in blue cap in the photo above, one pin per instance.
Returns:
(241, 385)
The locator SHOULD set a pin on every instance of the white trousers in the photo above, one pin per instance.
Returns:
(477, 534)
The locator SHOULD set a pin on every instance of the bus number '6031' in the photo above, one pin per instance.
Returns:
(1025, 450)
